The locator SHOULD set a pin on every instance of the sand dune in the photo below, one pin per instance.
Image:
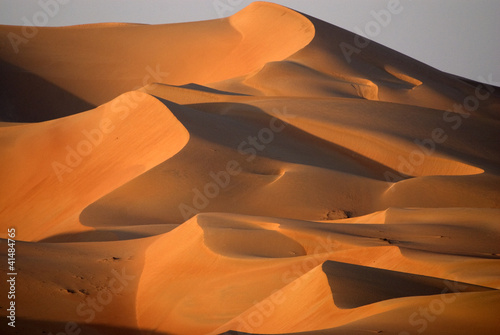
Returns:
(102, 64)
(54, 169)
(244, 176)
(294, 261)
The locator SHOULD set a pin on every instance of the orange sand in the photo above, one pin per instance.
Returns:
(239, 175)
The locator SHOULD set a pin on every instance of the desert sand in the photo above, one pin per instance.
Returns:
(244, 175)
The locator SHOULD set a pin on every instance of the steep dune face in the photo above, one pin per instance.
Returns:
(237, 177)
(48, 101)
(342, 64)
(54, 169)
(245, 175)
(302, 280)
(365, 150)
(98, 62)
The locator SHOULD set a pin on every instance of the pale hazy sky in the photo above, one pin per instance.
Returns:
(456, 36)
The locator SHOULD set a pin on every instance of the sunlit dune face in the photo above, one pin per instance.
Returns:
(261, 174)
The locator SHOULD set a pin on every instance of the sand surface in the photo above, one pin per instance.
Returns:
(244, 176)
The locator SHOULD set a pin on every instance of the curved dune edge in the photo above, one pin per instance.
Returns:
(175, 54)
(375, 140)
(288, 154)
(284, 283)
(247, 42)
(383, 138)
(278, 30)
(395, 316)
(293, 157)
(402, 76)
(317, 309)
(387, 150)
(290, 78)
(75, 160)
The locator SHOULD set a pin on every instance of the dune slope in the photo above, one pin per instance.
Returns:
(244, 175)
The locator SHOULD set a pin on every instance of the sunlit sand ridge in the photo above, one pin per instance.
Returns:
(243, 175)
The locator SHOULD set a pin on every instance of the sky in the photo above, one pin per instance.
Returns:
(455, 36)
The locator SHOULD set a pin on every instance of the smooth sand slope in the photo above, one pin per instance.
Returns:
(68, 163)
(242, 176)
(95, 63)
